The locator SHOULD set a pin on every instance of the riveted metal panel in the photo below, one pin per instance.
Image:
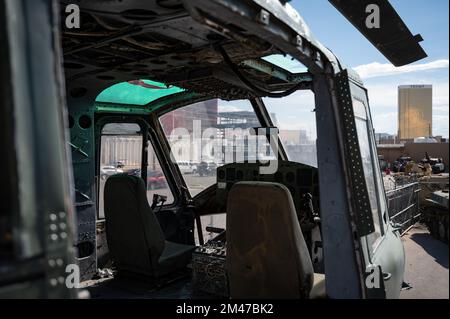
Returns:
(361, 202)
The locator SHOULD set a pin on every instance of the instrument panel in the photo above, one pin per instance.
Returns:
(300, 179)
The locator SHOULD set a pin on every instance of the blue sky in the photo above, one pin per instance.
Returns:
(429, 18)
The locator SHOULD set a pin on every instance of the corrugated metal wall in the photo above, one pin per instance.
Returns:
(126, 149)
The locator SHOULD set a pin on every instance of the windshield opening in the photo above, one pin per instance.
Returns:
(206, 135)
(295, 118)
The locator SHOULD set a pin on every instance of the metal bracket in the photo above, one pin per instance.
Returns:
(264, 17)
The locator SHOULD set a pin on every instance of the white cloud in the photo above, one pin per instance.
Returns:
(440, 125)
(441, 110)
(294, 112)
(230, 108)
(385, 94)
(376, 69)
(385, 122)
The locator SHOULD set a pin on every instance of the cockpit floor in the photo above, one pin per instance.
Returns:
(120, 288)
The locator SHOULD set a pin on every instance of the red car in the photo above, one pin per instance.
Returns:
(155, 179)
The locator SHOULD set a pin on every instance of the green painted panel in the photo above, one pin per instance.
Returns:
(139, 93)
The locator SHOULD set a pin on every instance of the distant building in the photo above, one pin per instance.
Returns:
(206, 112)
(385, 138)
(390, 152)
(290, 137)
(415, 115)
(295, 137)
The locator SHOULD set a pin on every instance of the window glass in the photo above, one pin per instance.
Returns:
(368, 162)
(295, 118)
(156, 179)
(286, 62)
(121, 151)
(207, 135)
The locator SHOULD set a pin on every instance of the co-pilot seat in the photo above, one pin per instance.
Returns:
(135, 239)
(267, 256)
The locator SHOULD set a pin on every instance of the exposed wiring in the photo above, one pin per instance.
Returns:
(104, 24)
(249, 84)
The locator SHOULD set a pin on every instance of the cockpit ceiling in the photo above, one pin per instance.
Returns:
(136, 93)
(123, 40)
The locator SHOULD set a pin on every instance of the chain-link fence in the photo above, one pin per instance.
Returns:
(403, 205)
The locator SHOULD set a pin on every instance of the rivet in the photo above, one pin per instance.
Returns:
(264, 17)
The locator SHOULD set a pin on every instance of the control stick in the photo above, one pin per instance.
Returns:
(158, 199)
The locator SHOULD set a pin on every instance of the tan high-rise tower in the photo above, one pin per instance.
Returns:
(415, 111)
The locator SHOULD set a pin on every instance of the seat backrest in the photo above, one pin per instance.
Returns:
(267, 256)
(135, 239)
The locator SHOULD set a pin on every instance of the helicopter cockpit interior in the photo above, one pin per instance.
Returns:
(201, 148)
(163, 182)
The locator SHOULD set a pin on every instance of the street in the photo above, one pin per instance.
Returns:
(426, 266)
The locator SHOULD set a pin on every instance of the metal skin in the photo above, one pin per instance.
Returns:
(346, 252)
(392, 38)
(43, 223)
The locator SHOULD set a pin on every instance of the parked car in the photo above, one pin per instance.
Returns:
(120, 164)
(437, 164)
(155, 179)
(400, 164)
(187, 167)
(109, 170)
(134, 172)
(206, 169)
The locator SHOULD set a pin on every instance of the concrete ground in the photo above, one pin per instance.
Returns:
(426, 266)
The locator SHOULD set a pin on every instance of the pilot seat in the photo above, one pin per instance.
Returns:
(267, 256)
(135, 239)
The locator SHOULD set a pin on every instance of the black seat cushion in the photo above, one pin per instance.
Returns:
(175, 256)
(135, 239)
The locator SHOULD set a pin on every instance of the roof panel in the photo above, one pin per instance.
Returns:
(140, 92)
